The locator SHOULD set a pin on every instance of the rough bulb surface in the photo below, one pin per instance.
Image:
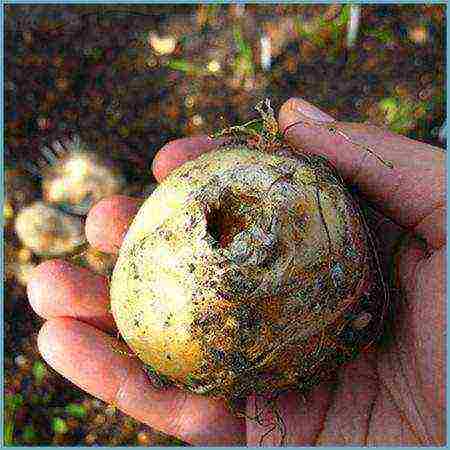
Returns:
(245, 272)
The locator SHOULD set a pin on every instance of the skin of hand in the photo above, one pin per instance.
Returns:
(394, 395)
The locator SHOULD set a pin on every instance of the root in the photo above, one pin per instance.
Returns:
(236, 130)
(276, 425)
(119, 351)
(385, 293)
(333, 130)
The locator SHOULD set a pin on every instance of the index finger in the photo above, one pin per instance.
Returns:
(177, 152)
(99, 364)
(412, 192)
(109, 220)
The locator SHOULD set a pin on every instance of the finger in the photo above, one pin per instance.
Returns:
(421, 331)
(348, 418)
(177, 152)
(412, 193)
(429, 325)
(390, 429)
(303, 418)
(90, 359)
(59, 289)
(109, 220)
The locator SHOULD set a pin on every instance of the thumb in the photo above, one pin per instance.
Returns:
(412, 193)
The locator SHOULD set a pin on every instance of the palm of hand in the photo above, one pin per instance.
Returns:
(395, 396)
(389, 397)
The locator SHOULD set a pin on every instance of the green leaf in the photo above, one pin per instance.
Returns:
(183, 40)
(39, 371)
(388, 104)
(244, 58)
(8, 433)
(343, 16)
(35, 399)
(47, 398)
(257, 125)
(29, 434)
(243, 47)
(76, 410)
(191, 381)
(95, 54)
(177, 442)
(185, 66)
(158, 379)
(308, 35)
(13, 401)
(59, 425)
(383, 35)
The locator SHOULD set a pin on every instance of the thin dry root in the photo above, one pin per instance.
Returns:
(235, 130)
(387, 163)
(335, 131)
(119, 351)
(277, 424)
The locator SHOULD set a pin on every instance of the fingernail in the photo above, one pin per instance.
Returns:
(300, 106)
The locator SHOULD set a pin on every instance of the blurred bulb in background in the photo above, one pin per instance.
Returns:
(76, 178)
(163, 45)
(47, 231)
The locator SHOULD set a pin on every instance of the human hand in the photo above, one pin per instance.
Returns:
(395, 396)
(79, 341)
